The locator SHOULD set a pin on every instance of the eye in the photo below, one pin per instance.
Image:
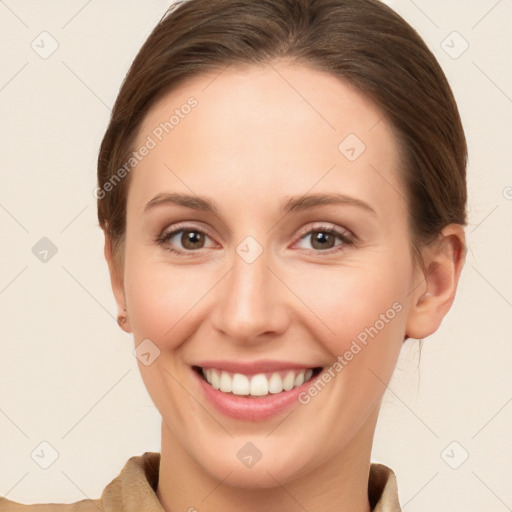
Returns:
(185, 240)
(323, 239)
(188, 239)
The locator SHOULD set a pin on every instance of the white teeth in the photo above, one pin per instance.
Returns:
(288, 381)
(275, 384)
(240, 384)
(226, 383)
(215, 381)
(257, 385)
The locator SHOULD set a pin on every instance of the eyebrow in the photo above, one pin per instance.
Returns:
(296, 203)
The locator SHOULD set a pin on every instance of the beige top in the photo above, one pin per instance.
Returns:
(134, 490)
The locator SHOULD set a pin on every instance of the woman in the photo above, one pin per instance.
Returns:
(282, 191)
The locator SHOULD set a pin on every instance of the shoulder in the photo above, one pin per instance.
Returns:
(79, 506)
(135, 484)
(383, 489)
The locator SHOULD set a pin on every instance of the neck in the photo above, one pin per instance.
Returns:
(339, 484)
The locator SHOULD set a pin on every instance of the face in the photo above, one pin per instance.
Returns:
(289, 260)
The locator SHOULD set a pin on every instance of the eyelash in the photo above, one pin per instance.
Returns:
(347, 239)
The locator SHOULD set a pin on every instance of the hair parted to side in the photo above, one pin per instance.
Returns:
(363, 42)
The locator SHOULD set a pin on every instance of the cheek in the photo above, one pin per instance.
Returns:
(355, 304)
(160, 296)
(360, 322)
(358, 300)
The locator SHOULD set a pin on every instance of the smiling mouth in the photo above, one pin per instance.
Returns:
(257, 385)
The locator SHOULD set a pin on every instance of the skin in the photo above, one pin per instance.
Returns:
(251, 143)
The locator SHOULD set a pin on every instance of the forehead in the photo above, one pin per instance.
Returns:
(262, 129)
(256, 96)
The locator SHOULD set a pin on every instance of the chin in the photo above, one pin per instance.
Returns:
(249, 468)
(260, 476)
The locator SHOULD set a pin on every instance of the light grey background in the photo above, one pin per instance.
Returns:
(68, 376)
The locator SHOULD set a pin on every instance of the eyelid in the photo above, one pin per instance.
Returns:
(345, 235)
(329, 227)
(185, 226)
(171, 231)
(347, 238)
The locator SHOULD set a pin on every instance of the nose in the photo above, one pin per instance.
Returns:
(251, 302)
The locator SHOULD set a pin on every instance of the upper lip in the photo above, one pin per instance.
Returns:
(253, 367)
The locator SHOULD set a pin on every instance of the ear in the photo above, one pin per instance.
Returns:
(433, 298)
(116, 281)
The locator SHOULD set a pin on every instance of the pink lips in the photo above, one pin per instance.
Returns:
(251, 408)
(253, 367)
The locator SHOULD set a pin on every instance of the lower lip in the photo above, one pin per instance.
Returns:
(251, 409)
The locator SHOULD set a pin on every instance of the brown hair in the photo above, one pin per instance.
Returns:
(363, 42)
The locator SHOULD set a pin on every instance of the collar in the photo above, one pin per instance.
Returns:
(134, 489)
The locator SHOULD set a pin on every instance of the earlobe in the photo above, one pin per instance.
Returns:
(117, 283)
(434, 297)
